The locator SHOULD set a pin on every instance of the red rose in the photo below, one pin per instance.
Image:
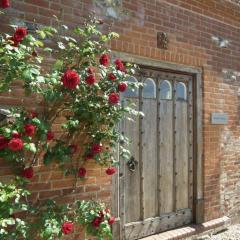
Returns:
(111, 170)
(28, 172)
(82, 172)
(96, 222)
(90, 70)
(96, 148)
(111, 220)
(15, 144)
(30, 129)
(5, 4)
(3, 142)
(33, 114)
(107, 210)
(20, 34)
(101, 216)
(67, 227)
(16, 135)
(89, 156)
(50, 135)
(70, 79)
(90, 80)
(104, 60)
(111, 76)
(73, 148)
(119, 65)
(122, 87)
(113, 98)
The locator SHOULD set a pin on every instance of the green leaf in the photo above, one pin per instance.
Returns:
(41, 33)
(58, 65)
(39, 43)
(48, 50)
(30, 147)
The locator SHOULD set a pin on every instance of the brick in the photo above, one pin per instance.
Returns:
(39, 3)
(62, 184)
(39, 186)
(92, 188)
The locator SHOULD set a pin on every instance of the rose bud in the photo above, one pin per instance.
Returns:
(90, 70)
(90, 80)
(67, 228)
(112, 77)
(111, 170)
(16, 135)
(33, 114)
(3, 142)
(96, 222)
(73, 148)
(96, 148)
(89, 156)
(50, 135)
(82, 172)
(111, 220)
(27, 173)
(122, 87)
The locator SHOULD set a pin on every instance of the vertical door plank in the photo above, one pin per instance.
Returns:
(132, 179)
(116, 196)
(166, 156)
(149, 157)
(181, 154)
(190, 148)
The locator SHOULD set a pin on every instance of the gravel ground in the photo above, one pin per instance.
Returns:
(233, 233)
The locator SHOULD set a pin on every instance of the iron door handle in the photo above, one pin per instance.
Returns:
(132, 164)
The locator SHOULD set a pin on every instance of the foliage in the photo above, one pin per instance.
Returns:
(82, 85)
(96, 217)
(10, 204)
(49, 216)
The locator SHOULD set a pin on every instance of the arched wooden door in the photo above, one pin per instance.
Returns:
(156, 184)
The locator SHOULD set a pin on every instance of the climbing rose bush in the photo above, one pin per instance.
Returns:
(84, 85)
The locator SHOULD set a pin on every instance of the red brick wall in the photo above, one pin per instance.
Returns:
(190, 24)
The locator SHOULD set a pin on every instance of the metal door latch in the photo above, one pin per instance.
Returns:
(132, 164)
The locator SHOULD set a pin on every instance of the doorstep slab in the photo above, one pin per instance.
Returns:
(190, 232)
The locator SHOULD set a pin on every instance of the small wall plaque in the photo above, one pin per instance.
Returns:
(219, 118)
(162, 40)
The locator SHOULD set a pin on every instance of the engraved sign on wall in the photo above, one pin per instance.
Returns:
(219, 118)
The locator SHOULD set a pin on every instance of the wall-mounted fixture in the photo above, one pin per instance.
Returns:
(4, 115)
(230, 75)
(220, 42)
(110, 8)
(162, 40)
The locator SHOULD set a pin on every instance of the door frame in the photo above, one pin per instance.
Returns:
(198, 197)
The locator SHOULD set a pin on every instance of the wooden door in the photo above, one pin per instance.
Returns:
(156, 184)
